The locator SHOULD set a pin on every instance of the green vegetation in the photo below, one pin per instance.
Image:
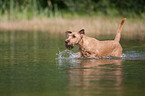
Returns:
(29, 9)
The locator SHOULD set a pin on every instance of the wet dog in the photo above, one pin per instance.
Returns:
(91, 47)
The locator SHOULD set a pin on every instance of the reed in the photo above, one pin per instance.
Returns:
(98, 26)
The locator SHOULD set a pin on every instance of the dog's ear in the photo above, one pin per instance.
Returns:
(68, 32)
(82, 31)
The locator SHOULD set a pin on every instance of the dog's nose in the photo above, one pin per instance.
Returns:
(66, 42)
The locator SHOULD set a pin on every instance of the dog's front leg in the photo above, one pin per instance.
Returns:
(80, 53)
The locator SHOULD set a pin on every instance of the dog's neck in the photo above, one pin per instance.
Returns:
(81, 42)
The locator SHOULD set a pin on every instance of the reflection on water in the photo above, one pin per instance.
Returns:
(102, 76)
(38, 64)
(96, 75)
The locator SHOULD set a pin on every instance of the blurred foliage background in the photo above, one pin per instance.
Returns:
(28, 9)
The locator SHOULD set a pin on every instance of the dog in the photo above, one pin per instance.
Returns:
(91, 47)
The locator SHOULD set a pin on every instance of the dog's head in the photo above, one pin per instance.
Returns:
(74, 38)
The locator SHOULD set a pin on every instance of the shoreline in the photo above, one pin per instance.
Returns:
(99, 26)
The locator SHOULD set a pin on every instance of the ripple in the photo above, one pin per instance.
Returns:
(134, 55)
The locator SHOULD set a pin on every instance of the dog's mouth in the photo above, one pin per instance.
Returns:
(69, 46)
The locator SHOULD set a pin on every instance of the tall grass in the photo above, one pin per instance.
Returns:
(30, 10)
(93, 26)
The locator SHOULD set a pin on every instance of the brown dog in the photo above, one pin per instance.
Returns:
(90, 47)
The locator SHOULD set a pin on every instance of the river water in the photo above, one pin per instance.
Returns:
(38, 64)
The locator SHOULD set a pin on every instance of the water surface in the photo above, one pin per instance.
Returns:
(38, 64)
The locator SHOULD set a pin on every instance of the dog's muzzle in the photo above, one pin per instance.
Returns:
(68, 45)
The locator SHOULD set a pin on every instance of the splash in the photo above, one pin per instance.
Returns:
(67, 54)
(67, 58)
(131, 55)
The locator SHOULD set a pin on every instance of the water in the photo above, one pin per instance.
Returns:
(38, 64)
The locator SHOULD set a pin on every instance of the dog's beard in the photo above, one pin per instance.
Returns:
(69, 46)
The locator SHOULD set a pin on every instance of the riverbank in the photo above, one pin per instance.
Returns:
(99, 26)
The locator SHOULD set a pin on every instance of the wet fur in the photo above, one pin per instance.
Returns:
(91, 47)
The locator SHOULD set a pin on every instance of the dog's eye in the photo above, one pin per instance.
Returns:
(74, 36)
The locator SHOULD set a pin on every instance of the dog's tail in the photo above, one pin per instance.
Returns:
(117, 38)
